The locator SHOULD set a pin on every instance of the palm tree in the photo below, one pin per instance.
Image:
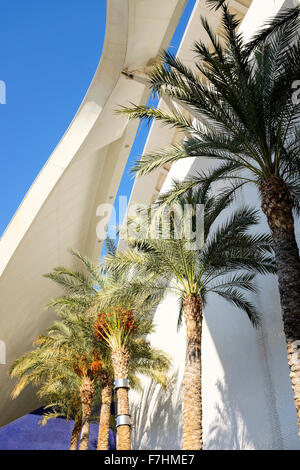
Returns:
(124, 333)
(57, 382)
(80, 291)
(105, 412)
(123, 353)
(76, 432)
(225, 265)
(62, 395)
(65, 368)
(245, 119)
(72, 336)
(144, 360)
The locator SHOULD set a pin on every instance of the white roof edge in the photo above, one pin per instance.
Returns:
(83, 171)
(79, 128)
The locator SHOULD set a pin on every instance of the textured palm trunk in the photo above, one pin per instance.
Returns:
(76, 432)
(277, 205)
(104, 420)
(120, 360)
(87, 396)
(192, 400)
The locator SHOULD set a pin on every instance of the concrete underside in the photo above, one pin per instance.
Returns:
(59, 211)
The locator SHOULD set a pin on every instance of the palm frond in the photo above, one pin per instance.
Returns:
(273, 25)
(215, 4)
(235, 297)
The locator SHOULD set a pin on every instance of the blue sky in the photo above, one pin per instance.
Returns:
(49, 52)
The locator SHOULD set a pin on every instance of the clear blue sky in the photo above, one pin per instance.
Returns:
(49, 52)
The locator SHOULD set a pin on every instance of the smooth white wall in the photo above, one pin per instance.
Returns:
(247, 395)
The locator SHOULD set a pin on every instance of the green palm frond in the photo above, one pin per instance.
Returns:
(111, 247)
(146, 113)
(285, 18)
(215, 4)
(238, 280)
(225, 264)
(94, 271)
(235, 297)
(151, 161)
(239, 112)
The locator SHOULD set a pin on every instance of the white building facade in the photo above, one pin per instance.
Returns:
(247, 395)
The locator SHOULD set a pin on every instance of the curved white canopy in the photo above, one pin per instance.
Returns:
(84, 171)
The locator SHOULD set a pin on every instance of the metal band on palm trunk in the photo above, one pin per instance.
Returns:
(121, 383)
(123, 420)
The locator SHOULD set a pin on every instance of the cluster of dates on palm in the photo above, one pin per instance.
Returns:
(119, 318)
(84, 367)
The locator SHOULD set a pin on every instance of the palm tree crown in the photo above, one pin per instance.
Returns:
(246, 117)
(225, 264)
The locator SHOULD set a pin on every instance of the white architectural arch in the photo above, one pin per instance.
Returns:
(247, 396)
(59, 211)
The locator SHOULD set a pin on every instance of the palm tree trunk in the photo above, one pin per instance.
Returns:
(76, 432)
(120, 360)
(87, 396)
(192, 400)
(104, 420)
(277, 205)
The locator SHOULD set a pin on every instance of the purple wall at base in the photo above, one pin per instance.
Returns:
(27, 434)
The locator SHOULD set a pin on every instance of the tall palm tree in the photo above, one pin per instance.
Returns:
(61, 393)
(72, 336)
(105, 411)
(225, 265)
(63, 365)
(245, 118)
(81, 289)
(124, 353)
(124, 333)
(57, 384)
(61, 399)
(144, 360)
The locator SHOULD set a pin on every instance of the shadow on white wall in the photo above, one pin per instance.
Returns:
(159, 428)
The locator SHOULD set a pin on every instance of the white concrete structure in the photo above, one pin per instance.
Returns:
(59, 211)
(247, 397)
